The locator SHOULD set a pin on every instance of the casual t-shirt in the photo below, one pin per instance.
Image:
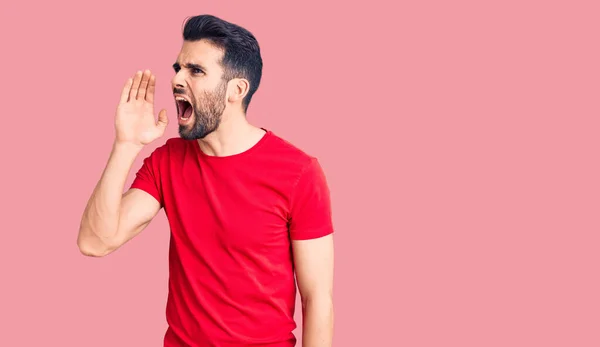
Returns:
(232, 219)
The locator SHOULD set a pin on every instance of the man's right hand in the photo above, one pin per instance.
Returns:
(135, 123)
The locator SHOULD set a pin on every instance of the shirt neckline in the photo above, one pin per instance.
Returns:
(262, 140)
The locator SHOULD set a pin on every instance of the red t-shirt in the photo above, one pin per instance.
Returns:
(232, 219)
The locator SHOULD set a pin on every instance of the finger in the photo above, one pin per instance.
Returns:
(126, 89)
(141, 95)
(151, 88)
(135, 86)
(163, 121)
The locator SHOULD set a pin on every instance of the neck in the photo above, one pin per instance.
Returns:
(233, 136)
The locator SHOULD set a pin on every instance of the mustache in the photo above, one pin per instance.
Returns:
(179, 91)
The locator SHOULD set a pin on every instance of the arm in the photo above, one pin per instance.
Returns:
(311, 232)
(112, 218)
(314, 272)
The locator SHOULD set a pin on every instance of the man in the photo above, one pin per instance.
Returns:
(249, 213)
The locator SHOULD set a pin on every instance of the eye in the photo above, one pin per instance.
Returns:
(197, 71)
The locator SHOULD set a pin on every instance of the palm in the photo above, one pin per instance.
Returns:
(135, 122)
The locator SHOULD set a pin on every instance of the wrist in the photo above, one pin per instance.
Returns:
(128, 147)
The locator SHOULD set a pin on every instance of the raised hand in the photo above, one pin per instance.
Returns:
(135, 122)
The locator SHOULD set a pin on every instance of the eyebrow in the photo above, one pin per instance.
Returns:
(189, 66)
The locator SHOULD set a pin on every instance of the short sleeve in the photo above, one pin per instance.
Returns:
(147, 178)
(310, 204)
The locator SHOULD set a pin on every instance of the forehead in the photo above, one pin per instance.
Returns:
(200, 52)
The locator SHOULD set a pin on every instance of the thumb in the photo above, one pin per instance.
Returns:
(163, 121)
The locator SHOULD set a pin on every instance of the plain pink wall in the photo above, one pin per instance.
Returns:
(460, 141)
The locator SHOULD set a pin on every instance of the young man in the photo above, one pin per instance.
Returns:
(249, 213)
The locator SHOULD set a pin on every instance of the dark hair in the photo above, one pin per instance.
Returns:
(242, 57)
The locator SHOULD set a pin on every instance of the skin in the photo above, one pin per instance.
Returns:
(219, 124)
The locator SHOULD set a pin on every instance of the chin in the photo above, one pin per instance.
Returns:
(189, 134)
(185, 133)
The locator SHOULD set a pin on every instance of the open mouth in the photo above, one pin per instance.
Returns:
(184, 108)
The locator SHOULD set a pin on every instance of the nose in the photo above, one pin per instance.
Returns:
(178, 80)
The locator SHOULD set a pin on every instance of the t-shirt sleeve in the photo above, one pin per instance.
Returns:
(147, 178)
(310, 209)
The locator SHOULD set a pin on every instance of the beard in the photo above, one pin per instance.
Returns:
(208, 112)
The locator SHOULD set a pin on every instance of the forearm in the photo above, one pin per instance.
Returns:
(100, 220)
(317, 324)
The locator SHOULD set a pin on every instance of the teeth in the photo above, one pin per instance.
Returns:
(180, 99)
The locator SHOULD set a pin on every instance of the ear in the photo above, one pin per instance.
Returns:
(238, 89)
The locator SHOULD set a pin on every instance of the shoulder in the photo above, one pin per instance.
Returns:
(170, 146)
(175, 143)
(162, 154)
(302, 168)
(290, 154)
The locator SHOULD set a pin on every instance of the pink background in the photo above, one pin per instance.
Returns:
(460, 140)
